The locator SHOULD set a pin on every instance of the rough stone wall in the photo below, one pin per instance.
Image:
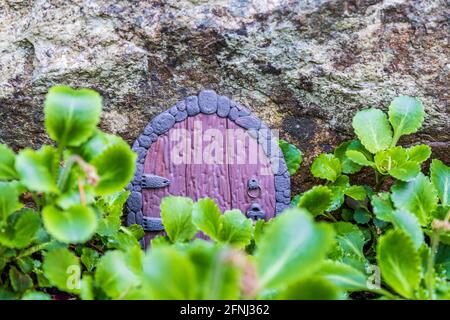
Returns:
(305, 67)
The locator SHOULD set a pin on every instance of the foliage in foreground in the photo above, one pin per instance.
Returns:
(61, 207)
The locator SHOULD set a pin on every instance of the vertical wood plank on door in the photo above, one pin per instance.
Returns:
(207, 178)
(249, 160)
(161, 161)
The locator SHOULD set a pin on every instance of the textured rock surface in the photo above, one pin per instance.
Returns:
(304, 67)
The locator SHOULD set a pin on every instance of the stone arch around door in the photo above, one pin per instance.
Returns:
(229, 184)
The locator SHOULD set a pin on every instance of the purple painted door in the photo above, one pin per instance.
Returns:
(209, 156)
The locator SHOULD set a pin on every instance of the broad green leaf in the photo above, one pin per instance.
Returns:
(292, 155)
(169, 274)
(122, 241)
(87, 287)
(62, 268)
(344, 276)
(440, 177)
(326, 166)
(118, 272)
(89, 258)
(236, 228)
(292, 247)
(9, 200)
(74, 225)
(96, 144)
(71, 116)
(206, 216)
(38, 169)
(399, 262)
(417, 196)
(217, 274)
(20, 282)
(7, 161)
(72, 197)
(361, 216)
(350, 240)
(312, 288)
(406, 115)
(21, 229)
(348, 166)
(36, 295)
(176, 214)
(409, 223)
(356, 192)
(316, 200)
(337, 192)
(111, 207)
(418, 153)
(359, 158)
(373, 129)
(382, 206)
(406, 171)
(115, 168)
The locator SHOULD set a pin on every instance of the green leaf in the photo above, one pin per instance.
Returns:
(361, 216)
(418, 153)
(9, 200)
(111, 207)
(21, 229)
(87, 288)
(36, 295)
(406, 172)
(350, 240)
(342, 275)
(115, 167)
(216, 271)
(62, 269)
(382, 206)
(89, 258)
(20, 282)
(406, 115)
(337, 190)
(7, 161)
(74, 225)
(38, 169)
(96, 144)
(313, 288)
(394, 161)
(408, 223)
(176, 214)
(206, 216)
(118, 272)
(349, 166)
(373, 129)
(356, 192)
(326, 166)
(399, 262)
(417, 196)
(71, 116)
(359, 158)
(292, 247)
(292, 155)
(169, 275)
(440, 177)
(236, 228)
(316, 200)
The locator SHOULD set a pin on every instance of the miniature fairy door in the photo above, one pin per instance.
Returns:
(207, 146)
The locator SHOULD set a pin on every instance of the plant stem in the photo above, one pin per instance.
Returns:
(65, 174)
(379, 179)
(34, 249)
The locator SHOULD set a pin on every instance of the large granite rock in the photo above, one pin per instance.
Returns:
(305, 67)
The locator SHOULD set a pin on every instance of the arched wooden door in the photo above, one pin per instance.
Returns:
(207, 146)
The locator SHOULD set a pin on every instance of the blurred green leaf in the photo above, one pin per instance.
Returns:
(115, 167)
(373, 129)
(89, 258)
(74, 225)
(176, 214)
(20, 282)
(292, 247)
(36, 295)
(440, 177)
(38, 169)
(9, 200)
(21, 229)
(399, 262)
(292, 155)
(71, 116)
(206, 216)
(343, 275)
(111, 207)
(236, 228)
(312, 288)
(62, 269)
(7, 161)
(350, 240)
